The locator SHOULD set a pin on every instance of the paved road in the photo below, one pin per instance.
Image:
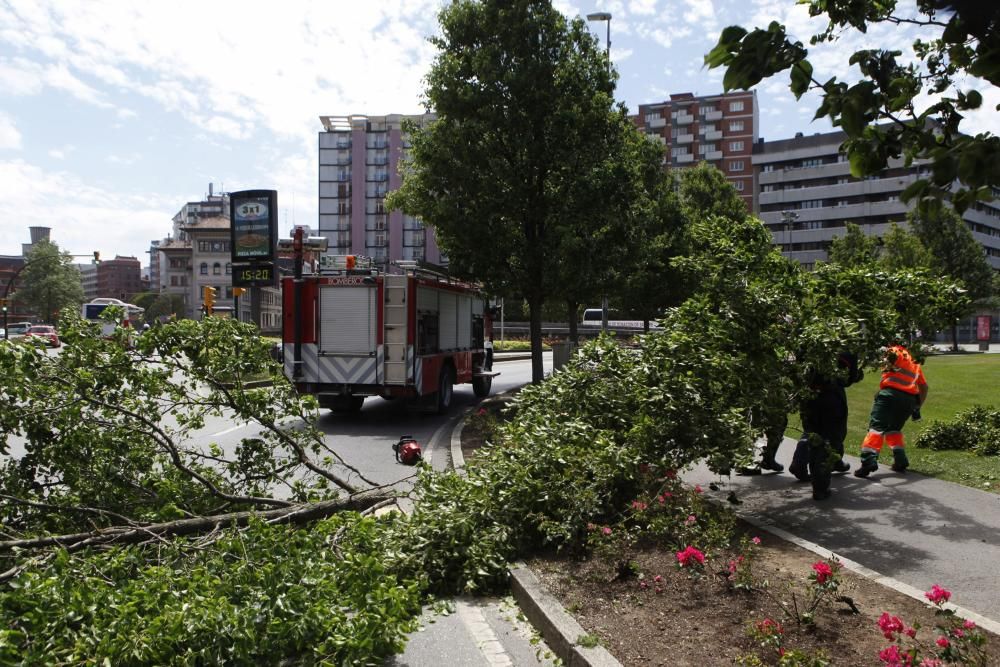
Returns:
(914, 529)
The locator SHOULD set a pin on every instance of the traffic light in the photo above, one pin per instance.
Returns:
(208, 299)
(97, 257)
(239, 291)
(3, 305)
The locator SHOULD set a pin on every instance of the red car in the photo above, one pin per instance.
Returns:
(46, 332)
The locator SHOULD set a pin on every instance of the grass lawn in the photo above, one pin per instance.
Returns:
(956, 383)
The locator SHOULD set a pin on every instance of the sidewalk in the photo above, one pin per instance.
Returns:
(909, 531)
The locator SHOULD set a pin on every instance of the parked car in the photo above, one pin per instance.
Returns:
(46, 332)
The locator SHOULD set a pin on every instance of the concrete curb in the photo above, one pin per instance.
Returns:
(560, 630)
(543, 611)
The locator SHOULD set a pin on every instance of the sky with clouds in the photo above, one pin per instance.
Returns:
(113, 114)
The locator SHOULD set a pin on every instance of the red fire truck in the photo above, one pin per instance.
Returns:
(352, 331)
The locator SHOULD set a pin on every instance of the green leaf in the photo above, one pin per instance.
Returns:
(801, 75)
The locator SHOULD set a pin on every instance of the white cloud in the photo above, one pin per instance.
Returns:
(77, 210)
(57, 154)
(10, 137)
(643, 7)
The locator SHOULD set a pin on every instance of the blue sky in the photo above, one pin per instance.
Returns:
(114, 114)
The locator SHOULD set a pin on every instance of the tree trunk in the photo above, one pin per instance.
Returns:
(573, 312)
(535, 327)
(954, 336)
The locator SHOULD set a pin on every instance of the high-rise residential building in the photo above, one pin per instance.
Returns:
(358, 165)
(807, 196)
(718, 129)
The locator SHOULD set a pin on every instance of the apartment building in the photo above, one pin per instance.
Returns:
(807, 196)
(358, 165)
(718, 129)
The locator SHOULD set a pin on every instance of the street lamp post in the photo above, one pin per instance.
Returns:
(604, 16)
(788, 218)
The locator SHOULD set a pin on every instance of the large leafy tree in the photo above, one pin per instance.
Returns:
(956, 254)
(49, 283)
(954, 59)
(854, 248)
(527, 145)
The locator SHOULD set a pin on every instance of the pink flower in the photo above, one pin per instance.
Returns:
(591, 527)
(931, 662)
(690, 556)
(769, 627)
(937, 595)
(890, 655)
(969, 625)
(658, 590)
(606, 530)
(756, 540)
(643, 585)
(690, 520)
(733, 565)
(657, 578)
(943, 642)
(698, 489)
(662, 499)
(670, 474)
(889, 624)
(482, 411)
(910, 632)
(823, 572)
(957, 633)
(638, 505)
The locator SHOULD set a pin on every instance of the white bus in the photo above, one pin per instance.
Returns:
(92, 312)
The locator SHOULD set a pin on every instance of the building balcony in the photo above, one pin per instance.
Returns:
(682, 159)
(713, 135)
(713, 115)
(684, 138)
(657, 122)
(713, 155)
(684, 119)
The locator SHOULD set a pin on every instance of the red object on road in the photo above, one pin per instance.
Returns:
(407, 451)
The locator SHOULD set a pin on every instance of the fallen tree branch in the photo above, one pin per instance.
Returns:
(117, 535)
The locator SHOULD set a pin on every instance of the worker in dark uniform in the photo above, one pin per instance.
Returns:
(824, 426)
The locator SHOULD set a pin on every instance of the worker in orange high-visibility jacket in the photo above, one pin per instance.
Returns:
(902, 391)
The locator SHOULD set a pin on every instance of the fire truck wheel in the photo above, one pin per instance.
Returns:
(446, 387)
(481, 386)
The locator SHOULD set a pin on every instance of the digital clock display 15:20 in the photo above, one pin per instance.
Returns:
(253, 276)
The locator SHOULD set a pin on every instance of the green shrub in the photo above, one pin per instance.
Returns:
(976, 430)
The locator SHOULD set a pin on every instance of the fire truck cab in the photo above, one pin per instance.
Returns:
(353, 331)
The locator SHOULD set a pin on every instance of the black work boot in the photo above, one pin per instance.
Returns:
(899, 461)
(869, 464)
(768, 463)
(800, 460)
(841, 466)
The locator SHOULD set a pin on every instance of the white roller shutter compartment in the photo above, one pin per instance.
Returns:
(448, 327)
(347, 317)
(464, 321)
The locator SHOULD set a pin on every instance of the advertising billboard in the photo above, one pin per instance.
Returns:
(253, 216)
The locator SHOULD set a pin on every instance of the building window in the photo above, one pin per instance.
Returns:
(736, 106)
(229, 269)
(736, 126)
(813, 203)
(705, 110)
(203, 270)
(767, 167)
(735, 146)
(736, 165)
(678, 150)
(738, 185)
(173, 281)
(217, 269)
(812, 162)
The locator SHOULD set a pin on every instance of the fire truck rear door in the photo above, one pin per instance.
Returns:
(348, 319)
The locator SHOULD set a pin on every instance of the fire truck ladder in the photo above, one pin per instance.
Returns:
(394, 334)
